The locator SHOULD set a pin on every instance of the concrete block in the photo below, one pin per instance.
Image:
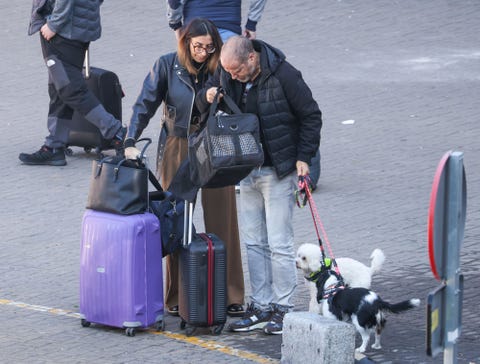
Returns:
(314, 339)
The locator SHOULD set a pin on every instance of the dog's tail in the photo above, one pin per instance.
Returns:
(377, 258)
(400, 306)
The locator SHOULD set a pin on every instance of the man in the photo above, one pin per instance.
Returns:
(225, 14)
(66, 29)
(260, 80)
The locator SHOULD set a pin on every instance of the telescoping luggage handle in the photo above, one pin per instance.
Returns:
(86, 63)
(188, 222)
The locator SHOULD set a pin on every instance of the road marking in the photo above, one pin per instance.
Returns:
(214, 345)
(55, 311)
(207, 344)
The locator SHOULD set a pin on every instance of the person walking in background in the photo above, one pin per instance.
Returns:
(225, 14)
(260, 80)
(174, 81)
(66, 29)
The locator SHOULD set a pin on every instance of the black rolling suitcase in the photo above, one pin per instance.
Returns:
(202, 291)
(107, 88)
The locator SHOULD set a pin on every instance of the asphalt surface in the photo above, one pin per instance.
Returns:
(407, 76)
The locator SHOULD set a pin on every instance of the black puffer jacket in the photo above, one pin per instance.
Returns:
(290, 118)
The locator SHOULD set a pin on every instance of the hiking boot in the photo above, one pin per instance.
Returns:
(117, 141)
(46, 156)
(254, 318)
(275, 326)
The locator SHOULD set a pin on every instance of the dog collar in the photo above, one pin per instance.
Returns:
(313, 277)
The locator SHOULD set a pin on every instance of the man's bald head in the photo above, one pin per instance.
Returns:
(239, 58)
(237, 49)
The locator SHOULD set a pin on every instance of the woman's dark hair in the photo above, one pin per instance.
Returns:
(198, 27)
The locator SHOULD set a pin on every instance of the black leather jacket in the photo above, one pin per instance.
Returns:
(170, 83)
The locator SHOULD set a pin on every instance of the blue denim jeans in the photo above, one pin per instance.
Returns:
(225, 34)
(266, 229)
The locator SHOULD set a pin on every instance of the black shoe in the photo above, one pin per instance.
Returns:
(275, 326)
(173, 310)
(45, 156)
(235, 310)
(117, 141)
(254, 318)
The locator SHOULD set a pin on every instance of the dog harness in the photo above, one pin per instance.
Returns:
(320, 277)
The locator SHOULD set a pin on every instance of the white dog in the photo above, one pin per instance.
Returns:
(354, 273)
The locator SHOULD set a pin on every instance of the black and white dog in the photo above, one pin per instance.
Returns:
(362, 306)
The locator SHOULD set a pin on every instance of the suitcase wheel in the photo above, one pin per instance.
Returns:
(160, 325)
(130, 331)
(68, 152)
(217, 330)
(85, 323)
(87, 149)
(190, 331)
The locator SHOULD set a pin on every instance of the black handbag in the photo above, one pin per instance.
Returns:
(226, 149)
(119, 185)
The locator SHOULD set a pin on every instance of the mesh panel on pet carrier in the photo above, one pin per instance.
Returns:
(248, 144)
(222, 146)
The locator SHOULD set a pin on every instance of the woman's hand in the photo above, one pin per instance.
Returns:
(132, 153)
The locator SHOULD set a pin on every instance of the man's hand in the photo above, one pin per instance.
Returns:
(132, 153)
(177, 34)
(250, 34)
(46, 32)
(302, 168)
(210, 94)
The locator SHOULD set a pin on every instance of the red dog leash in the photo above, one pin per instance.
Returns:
(305, 188)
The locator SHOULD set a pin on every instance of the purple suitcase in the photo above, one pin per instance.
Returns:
(121, 271)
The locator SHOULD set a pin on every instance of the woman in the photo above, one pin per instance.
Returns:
(174, 81)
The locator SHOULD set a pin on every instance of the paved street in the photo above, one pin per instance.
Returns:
(406, 74)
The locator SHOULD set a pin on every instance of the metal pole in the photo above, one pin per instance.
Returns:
(454, 206)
